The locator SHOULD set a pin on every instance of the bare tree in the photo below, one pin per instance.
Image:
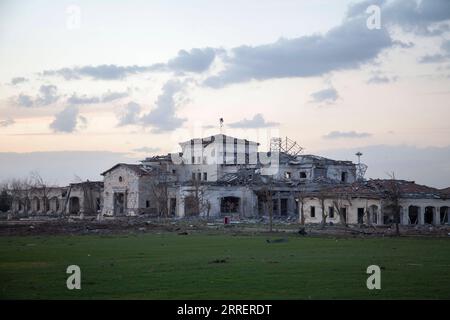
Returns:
(341, 201)
(393, 197)
(322, 196)
(159, 188)
(266, 195)
(198, 200)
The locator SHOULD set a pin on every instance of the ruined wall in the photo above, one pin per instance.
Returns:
(128, 184)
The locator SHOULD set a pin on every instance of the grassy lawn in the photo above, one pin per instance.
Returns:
(171, 266)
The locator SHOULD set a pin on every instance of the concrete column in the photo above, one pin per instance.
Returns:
(405, 216)
(180, 205)
(437, 216)
(421, 215)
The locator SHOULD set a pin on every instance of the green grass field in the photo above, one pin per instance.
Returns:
(199, 266)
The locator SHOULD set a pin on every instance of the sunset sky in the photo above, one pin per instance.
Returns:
(121, 80)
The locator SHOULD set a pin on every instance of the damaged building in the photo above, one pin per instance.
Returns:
(221, 175)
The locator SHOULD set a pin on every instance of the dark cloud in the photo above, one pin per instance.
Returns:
(328, 95)
(346, 134)
(17, 80)
(256, 122)
(130, 114)
(67, 120)
(163, 117)
(7, 122)
(344, 47)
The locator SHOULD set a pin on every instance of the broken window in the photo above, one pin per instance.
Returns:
(331, 212)
(429, 213)
(229, 204)
(193, 160)
(344, 214)
(199, 176)
(120, 179)
(174, 171)
(344, 177)
(147, 204)
(302, 175)
(313, 211)
(205, 176)
(193, 176)
(413, 214)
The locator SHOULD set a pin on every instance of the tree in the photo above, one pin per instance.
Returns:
(198, 200)
(393, 195)
(341, 201)
(159, 187)
(266, 195)
(322, 196)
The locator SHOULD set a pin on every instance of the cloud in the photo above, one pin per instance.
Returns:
(163, 117)
(101, 72)
(17, 80)
(147, 150)
(328, 95)
(84, 99)
(195, 60)
(130, 115)
(67, 120)
(7, 122)
(380, 79)
(24, 100)
(114, 95)
(439, 57)
(256, 122)
(347, 46)
(48, 94)
(346, 134)
(421, 17)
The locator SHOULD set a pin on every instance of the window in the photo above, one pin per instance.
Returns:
(174, 171)
(147, 204)
(344, 177)
(193, 176)
(302, 175)
(205, 176)
(120, 179)
(331, 212)
(193, 160)
(313, 211)
(199, 176)
(360, 215)
(287, 175)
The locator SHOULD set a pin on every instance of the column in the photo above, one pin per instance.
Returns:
(421, 215)
(405, 216)
(437, 216)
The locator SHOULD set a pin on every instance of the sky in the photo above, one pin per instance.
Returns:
(85, 84)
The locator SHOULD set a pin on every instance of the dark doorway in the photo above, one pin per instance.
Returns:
(74, 205)
(413, 214)
(119, 203)
(229, 205)
(428, 216)
(360, 215)
(173, 206)
(284, 207)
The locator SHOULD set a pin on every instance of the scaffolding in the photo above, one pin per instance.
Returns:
(285, 145)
